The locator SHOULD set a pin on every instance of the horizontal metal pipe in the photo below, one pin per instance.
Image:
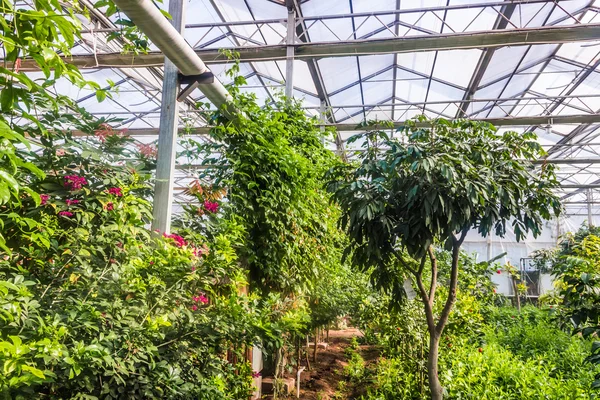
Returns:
(580, 186)
(148, 18)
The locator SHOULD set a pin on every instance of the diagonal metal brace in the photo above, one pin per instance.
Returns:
(192, 82)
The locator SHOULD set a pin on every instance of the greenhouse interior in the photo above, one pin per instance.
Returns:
(313, 199)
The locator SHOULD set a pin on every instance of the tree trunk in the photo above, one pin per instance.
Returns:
(315, 349)
(432, 367)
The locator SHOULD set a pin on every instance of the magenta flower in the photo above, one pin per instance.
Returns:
(194, 307)
(179, 241)
(73, 201)
(74, 182)
(193, 268)
(200, 299)
(109, 206)
(255, 374)
(44, 198)
(200, 251)
(211, 206)
(117, 191)
(66, 214)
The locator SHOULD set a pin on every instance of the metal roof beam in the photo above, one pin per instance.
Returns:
(409, 44)
(506, 121)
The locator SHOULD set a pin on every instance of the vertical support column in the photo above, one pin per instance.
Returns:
(167, 136)
(322, 119)
(590, 198)
(289, 57)
(489, 246)
(557, 229)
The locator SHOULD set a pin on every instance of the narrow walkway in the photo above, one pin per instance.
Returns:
(325, 380)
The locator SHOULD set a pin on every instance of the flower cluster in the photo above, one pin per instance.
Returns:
(109, 206)
(147, 150)
(211, 206)
(116, 191)
(66, 214)
(179, 241)
(70, 202)
(75, 182)
(106, 131)
(201, 298)
(200, 251)
(44, 199)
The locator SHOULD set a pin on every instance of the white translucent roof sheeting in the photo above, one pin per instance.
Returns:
(389, 67)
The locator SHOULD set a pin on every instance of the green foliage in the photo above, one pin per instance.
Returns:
(495, 372)
(96, 306)
(428, 183)
(355, 370)
(44, 33)
(521, 355)
(271, 161)
(576, 267)
(532, 335)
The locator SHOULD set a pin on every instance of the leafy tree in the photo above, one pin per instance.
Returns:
(431, 185)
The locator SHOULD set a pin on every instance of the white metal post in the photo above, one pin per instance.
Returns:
(289, 59)
(590, 198)
(167, 137)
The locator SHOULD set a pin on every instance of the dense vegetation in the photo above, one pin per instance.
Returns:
(491, 350)
(93, 305)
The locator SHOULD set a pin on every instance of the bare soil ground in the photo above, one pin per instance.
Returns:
(322, 382)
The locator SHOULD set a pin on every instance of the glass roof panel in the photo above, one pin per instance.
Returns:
(456, 66)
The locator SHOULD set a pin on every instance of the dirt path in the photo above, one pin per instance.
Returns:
(322, 382)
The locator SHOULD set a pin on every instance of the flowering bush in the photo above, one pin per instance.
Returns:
(100, 306)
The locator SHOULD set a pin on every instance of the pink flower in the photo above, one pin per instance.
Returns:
(44, 199)
(194, 307)
(179, 241)
(200, 299)
(193, 268)
(255, 374)
(147, 150)
(211, 206)
(117, 191)
(73, 201)
(66, 214)
(60, 152)
(74, 182)
(109, 206)
(105, 131)
(498, 272)
(200, 251)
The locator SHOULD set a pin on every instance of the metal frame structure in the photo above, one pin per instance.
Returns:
(529, 65)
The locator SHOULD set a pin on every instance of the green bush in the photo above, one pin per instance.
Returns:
(494, 372)
(532, 335)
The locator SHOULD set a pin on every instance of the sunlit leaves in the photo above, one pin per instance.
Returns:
(436, 178)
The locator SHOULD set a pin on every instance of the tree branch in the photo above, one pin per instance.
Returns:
(426, 301)
(434, 274)
(456, 243)
(404, 263)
